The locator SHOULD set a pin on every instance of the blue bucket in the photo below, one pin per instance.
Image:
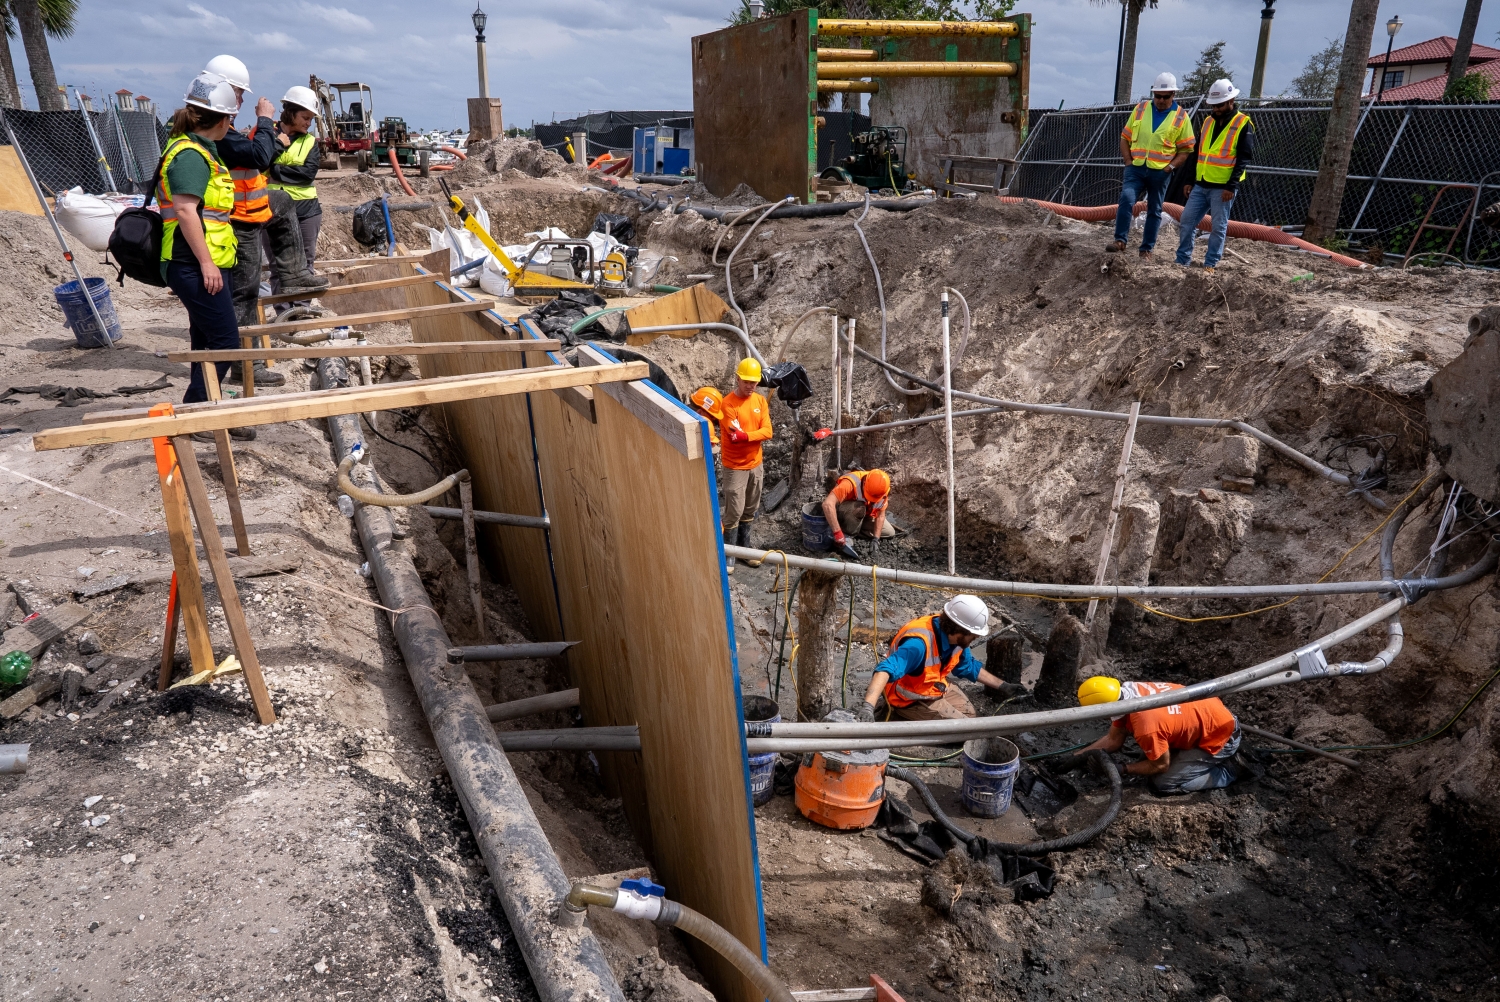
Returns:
(816, 536)
(761, 709)
(990, 767)
(77, 315)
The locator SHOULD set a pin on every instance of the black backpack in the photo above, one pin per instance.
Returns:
(135, 243)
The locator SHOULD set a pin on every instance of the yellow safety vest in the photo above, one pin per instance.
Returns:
(296, 155)
(214, 212)
(1156, 149)
(1216, 155)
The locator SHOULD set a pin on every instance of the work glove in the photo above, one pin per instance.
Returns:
(866, 714)
(735, 435)
(874, 549)
(843, 547)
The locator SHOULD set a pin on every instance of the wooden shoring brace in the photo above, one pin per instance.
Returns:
(229, 474)
(185, 600)
(471, 551)
(1114, 511)
(229, 596)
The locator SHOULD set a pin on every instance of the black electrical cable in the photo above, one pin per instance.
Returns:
(1072, 841)
(398, 445)
(411, 417)
(785, 629)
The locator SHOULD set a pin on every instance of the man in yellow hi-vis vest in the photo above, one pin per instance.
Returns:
(1157, 138)
(1226, 144)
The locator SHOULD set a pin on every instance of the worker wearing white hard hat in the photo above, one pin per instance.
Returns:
(261, 217)
(925, 656)
(198, 246)
(295, 171)
(1156, 140)
(1226, 145)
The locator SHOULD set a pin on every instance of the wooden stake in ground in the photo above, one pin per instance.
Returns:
(188, 585)
(227, 471)
(1114, 511)
(169, 636)
(471, 552)
(229, 596)
(817, 598)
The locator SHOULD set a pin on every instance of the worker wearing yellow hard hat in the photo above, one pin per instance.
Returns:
(857, 506)
(744, 424)
(709, 402)
(1188, 746)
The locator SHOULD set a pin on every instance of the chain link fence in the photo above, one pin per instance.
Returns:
(97, 151)
(1404, 156)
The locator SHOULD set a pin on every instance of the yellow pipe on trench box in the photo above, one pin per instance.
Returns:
(846, 27)
(837, 71)
(847, 55)
(848, 87)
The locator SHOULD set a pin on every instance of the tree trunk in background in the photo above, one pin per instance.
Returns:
(1343, 120)
(1126, 86)
(38, 56)
(1460, 63)
(817, 599)
(10, 94)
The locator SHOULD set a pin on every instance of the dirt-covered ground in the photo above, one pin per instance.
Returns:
(329, 856)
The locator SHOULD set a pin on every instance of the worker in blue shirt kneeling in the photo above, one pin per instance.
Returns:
(924, 653)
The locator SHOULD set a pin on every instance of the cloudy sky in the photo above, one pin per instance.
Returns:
(563, 57)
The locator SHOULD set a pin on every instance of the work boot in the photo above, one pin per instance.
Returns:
(742, 534)
(306, 282)
(264, 374)
(1146, 254)
(1116, 247)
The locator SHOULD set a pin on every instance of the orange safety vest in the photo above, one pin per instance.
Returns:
(856, 480)
(251, 203)
(932, 685)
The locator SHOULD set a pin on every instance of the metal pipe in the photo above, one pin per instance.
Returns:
(857, 27)
(738, 331)
(1273, 736)
(847, 55)
(889, 68)
(565, 964)
(848, 87)
(948, 426)
(490, 517)
(508, 652)
(105, 172)
(909, 422)
(516, 708)
(836, 367)
(809, 211)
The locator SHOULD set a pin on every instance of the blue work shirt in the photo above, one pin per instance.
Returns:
(909, 655)
(1158, 116)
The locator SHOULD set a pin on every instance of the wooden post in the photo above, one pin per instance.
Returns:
(229, 474)
(1002, 657)
(1059, 678)
(817, 598)
(471, 552)
(1114, 511)
(189, 586)
(169, 636)
(229, 596)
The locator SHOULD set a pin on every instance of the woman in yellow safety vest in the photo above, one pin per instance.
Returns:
(295, 170)
(198, 247)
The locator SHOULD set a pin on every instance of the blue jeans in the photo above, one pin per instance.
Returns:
(211, 323)
(1204, 202)
(1140, 181)
(1194, 769)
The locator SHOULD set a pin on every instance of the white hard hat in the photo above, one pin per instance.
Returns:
(970, 613)
(230, 69)
(1221, 91)
(211, 91)
(302, 97)
(1165, 81)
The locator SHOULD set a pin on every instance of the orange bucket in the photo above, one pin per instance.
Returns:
(842, 789)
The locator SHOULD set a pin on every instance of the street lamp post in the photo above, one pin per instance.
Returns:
(1258, 79)
(1391, 28)
(480, 19)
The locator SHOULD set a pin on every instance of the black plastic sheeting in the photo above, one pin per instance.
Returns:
(609, 130)
(929, 841)
(62, 155)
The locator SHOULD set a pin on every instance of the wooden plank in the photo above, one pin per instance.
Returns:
(326, 403)
(351, 350)
(696, 304)
(496, 434)
(229, 596)
(358, 319)
(16, 192)
(1114, 510)
(184, 559)
(346, 261)
(836, 995)
(32, 637)
(169, 637)
(675, 424)
(228, 474)
(352, 287)
(580, 398)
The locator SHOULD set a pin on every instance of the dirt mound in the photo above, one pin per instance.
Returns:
(33, 266)
(500, 155)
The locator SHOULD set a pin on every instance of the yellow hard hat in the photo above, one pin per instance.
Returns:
(710, 401)
(1099, 689)
(749, 369)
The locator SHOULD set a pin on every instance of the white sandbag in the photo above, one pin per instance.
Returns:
(492, 277)
(89, 218)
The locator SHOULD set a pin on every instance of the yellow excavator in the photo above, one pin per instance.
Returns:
(526, 286)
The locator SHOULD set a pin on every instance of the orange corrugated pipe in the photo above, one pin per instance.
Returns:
(390, 151)
(455, 151)
(1244, 231)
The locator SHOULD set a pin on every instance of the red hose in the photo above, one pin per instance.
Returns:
(455, 151)
(390, 151)
(1244, 231)
(441, 167)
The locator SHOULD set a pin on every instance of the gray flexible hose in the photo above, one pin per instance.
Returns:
(880, 294)
(1071, 841)
(728, 261)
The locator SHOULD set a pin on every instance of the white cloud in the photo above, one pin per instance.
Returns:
(338, 18)
(278, 40)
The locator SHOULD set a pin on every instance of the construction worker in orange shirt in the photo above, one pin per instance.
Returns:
(709, 402)
(743, 426)
(1188, 746)
(857, 506)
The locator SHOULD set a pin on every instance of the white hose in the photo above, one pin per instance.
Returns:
(880, 294)
(728, 261)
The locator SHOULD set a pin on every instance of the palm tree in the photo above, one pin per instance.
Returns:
(10, 94)
(38, 19)
(1124, 84)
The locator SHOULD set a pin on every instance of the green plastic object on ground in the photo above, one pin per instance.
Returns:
(15, 667)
